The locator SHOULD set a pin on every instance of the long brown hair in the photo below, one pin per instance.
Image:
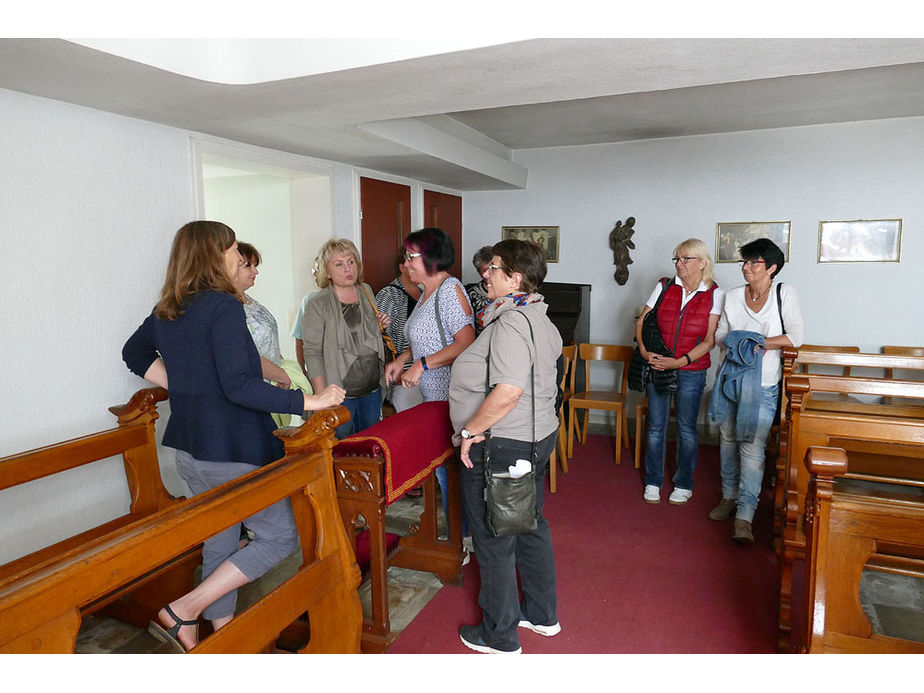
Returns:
(196, 264)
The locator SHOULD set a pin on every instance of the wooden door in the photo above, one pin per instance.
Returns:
(444, 211)
(386, 221)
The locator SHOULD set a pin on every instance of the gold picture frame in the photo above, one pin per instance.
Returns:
(860, 240)
(545, 236)
(731, 235)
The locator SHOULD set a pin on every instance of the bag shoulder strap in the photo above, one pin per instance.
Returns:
(532, 373)
(436, 310)
(779, 305)
(375, 308)
(665, 285)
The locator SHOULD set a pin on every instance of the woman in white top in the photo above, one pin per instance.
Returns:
(771, 309)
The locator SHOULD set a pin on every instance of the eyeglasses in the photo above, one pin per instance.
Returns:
(411, 256)
(492, 268)
(751, 263)
(685, 259)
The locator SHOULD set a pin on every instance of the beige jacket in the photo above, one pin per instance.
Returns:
(329, 346)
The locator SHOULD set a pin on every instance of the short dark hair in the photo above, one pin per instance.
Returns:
(524, 257)
(766, 250)
(435, 247)
(483, 257)
(250, 254)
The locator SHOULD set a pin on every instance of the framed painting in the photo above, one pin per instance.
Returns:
(545, 236)
(860, 240)
(730, 236)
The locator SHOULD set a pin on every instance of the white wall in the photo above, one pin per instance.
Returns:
(680, 188)
(258, 208)
(89, 205)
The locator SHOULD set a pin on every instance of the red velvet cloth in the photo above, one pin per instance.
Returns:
(363, 549)
(413, 443)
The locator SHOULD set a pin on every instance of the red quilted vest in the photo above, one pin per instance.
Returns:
(684, 329)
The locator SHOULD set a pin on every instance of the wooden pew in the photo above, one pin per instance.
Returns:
(847, 527)
(134, 440)
(41, 606)
(800, 360)
(855, 425)
(376, 467)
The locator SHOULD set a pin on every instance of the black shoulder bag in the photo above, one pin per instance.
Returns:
(510, 502)
(640, 372)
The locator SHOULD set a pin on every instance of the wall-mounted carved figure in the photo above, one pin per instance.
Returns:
(620, 244)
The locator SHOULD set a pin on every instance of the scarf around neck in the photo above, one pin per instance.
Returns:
(500, 305)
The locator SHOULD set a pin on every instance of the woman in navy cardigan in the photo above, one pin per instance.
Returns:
(196, 339)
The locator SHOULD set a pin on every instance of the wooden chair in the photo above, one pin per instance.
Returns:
(609, 400)
(641, 413)
(567, 385)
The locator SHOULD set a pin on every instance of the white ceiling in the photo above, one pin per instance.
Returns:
(455, 119)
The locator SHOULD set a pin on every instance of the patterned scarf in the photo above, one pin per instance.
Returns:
(499, 305)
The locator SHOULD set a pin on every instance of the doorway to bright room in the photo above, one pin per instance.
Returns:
(285, 212)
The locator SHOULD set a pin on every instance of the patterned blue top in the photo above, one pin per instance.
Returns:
(423, 334)
(264, 330)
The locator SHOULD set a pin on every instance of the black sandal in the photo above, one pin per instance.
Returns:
(170, 635)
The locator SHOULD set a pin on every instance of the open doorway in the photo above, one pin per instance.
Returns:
(283, 210)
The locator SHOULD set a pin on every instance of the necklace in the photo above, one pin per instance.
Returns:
(760, 295)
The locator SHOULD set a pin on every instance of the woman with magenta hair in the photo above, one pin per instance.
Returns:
(440, 328)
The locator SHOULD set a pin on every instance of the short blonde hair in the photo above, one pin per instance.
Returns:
(693, 247)
(337, 245)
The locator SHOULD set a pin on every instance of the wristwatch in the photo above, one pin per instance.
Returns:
(465, 434)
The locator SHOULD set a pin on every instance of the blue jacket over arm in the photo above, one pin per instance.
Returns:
(738, 381)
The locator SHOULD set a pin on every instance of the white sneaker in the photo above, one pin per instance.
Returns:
(652, 494)
(679, 496)
(547, 631)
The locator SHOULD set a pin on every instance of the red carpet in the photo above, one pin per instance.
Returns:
(633, 577)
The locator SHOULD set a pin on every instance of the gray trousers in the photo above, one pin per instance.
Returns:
(275, 534)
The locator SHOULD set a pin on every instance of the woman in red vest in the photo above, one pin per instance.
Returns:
(687, 316)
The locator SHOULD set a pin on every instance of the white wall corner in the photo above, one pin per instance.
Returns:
(451, 141)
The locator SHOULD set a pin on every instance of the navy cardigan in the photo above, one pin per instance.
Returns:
(219, 402)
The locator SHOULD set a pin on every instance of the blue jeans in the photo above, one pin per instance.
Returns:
(501, 558)
(743, 462)
(442, 478)
(690, 386)
(365, 411)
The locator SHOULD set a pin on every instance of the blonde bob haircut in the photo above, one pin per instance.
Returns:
(693, 247)
(196, 264)
(344, 247)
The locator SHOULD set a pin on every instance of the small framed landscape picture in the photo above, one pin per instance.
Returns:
(730, 236)
(545, 236)
(861, 240)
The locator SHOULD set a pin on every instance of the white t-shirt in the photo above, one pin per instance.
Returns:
(738, 316)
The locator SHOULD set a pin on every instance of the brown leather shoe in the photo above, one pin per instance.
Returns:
(742, 533)
(723, 510)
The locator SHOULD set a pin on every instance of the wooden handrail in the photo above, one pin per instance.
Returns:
(40, 608)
